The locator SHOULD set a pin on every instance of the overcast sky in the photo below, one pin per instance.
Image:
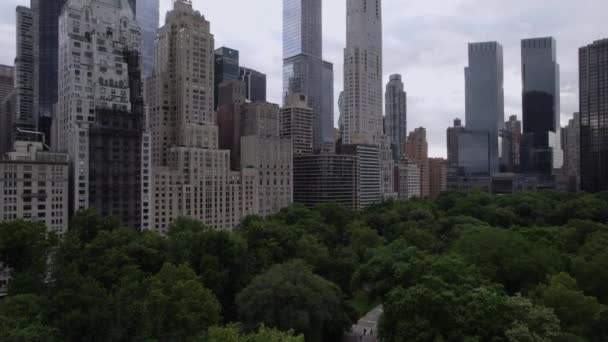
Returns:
(424, 40)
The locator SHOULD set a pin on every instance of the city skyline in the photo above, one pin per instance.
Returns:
(420, 40)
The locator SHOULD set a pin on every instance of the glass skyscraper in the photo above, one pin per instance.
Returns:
(485, 99)
(593, 73)
(226, 69)
(395, 125)
(147, 18)
(303, 68)
(541, 106)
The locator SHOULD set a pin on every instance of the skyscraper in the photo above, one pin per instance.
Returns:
(191, 175)
(7, 81)
(452, 142)
(363, 73)
(100, 118)
(226, 69)
(511, 143)
(47, 16)
(255, 84)
(26, 84)
(296, 124)
(395, 125)
(416, 149)
(438, 176)
(541, 106)
(303, 68)
(593, 71)
(147, 18)
(571, 139)
(485, 95)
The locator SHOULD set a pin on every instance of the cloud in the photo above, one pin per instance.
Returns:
(425, 41)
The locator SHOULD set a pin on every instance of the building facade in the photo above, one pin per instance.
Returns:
(148, 18)
(262, 149)
(484, 93)
(231, 98)
(255, 84)
(191, 175)
(7, 81)
(363, 73)
(296, 124)
(416, 149)
(593, 70)
(26, 84)
(395, 125)
(452, 145)
(304, 71)
(325, 178)
(369, 175)
(34, 187)
(571, 144)
(438, 176)
(541, 107)
(100, 121)
(226, 69)
(511, 142)
(407, 180)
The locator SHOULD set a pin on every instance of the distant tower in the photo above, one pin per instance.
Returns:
(593, 70)
(304, 71)
(485, 113)
(363, 73)
(416, 149)
(396, 115)
(148, 18)
(541, 106)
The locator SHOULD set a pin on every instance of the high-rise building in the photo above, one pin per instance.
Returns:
(304, 71)
(485, 95)
(7, 81)
(271, 156)
(296, 124)
(396, 115)
(363, 73)
(34, 187)
(100, 118)
(541, 107)
(571, 138)
(407, 179)
(474, 153)
(416, 149)
(327, 105)
(369, 175)
(341, 109)
(231, 98)
(511, 142)
(438, 176)
(26, 84)
(452, 142)
(325, 178)
(226, 69)
(148, 18)
(47, 17)
(7, 115)
(191, 175)
(255, 84)
(593, 71)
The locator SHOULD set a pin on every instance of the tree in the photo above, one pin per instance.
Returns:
(22, 319)
(86, 224)
(290, 296)
(180, 308)
(574, 309)
(363, 238)
(233, 333)
(507, 258)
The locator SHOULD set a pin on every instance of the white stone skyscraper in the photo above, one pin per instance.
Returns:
(100, 118)
(363, 73)
(191, 175)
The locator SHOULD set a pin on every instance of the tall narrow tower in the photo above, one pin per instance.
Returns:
(395, 125)
(304, 71)
(363, 72)
(485, 112)
(147, 18)
(100, 119)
